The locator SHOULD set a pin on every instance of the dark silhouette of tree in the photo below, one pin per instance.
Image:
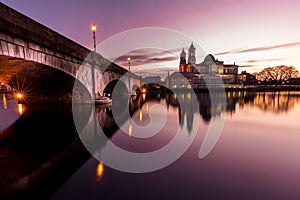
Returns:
(278, 73)
(264, 75)
(291, 72)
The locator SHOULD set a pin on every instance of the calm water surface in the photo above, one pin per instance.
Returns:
(256, 155)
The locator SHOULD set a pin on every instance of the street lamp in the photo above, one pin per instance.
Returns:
(128, 63)
(93, 28)
(129, 74)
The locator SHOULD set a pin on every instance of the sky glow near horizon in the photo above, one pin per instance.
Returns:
(253, 34)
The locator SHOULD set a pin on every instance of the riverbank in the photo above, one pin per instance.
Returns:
(267, 88)
(237, 88)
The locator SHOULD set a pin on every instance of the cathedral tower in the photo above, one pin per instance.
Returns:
(182, 64)
(192, 55)
(182, 54)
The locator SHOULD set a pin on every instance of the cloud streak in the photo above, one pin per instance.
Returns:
(264, 60)
(163, 72)
(253, 62)
(257, 49)
(243, 66)
(147, 56)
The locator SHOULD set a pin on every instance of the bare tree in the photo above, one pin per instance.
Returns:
(291, 72)
(256, 74)
(264, 75)
(278, 73)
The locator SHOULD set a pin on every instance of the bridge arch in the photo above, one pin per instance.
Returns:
(37, 82)
(25, 39)
(117, 86)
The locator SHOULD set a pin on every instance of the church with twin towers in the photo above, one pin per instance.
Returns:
(210, 68)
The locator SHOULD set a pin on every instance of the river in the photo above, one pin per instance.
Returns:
(236, 145)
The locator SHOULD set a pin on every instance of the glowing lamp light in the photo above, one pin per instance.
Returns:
(19, 96)
(144, 90)
(94, 27)
(129, 64)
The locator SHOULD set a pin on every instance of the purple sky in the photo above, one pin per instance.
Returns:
(255, 33)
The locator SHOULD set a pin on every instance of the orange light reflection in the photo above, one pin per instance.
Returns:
(100, 169)
(147, 108)
(141, 115)
(4, 101)
(130, 130)
(20, 109)
(144, 96)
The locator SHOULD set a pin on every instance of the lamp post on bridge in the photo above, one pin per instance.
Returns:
(93, 28)
(129, 74)
(130, 125)
(128, 63)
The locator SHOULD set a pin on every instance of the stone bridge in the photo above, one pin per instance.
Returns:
(46, 65)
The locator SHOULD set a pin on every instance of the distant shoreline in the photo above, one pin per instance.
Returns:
(266, 88)
(260, 88)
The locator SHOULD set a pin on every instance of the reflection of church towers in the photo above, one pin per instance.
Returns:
(187, 106)
(188, 65)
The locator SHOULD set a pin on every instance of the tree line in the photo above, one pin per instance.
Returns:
(277, 74)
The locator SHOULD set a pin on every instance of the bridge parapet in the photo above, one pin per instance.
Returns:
(18, 25)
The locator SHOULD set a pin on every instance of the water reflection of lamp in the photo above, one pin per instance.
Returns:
(130, 129)
(100, 169)
(147, 108)
(4, 101)
(20, 108)
(141, 115)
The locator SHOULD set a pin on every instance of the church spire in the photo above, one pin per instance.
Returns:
(192, 55)
(183, 54)
(182, 63)
(192, 46)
